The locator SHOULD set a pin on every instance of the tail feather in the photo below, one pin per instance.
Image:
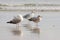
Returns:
(10, 22)
(30, 19)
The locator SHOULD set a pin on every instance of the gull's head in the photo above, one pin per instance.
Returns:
(40, 17)
(20, 16)
(32, 14)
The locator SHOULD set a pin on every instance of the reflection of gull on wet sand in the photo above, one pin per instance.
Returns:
(32, 29)
(17, 32)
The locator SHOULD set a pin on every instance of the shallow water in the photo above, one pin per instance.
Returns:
(49, 27)
(29, 1)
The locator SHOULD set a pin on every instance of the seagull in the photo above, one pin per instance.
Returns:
(28, 16)
(16, 20)
(36, 19)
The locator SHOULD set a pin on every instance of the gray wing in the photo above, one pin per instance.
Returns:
(15, 20)
(27, 16)
(34, 18)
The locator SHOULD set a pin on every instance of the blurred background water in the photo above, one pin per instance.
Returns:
(30, 1)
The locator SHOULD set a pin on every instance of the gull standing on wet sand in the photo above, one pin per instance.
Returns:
(36, 19)
(16, 20)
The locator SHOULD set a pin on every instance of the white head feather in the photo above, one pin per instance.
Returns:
(19, 16)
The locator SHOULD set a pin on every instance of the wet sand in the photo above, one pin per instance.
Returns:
(49, 27)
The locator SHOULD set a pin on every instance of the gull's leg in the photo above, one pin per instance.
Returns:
(17, 26)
